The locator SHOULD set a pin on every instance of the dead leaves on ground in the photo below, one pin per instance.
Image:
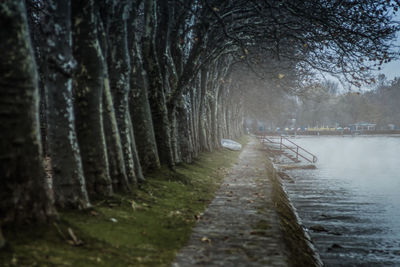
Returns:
(71, 238)
(74, 240)
(205, 239)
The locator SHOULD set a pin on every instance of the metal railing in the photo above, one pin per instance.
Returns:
(295, 148)
(298, 150)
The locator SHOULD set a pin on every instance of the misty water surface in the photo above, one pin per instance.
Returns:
(354, 194)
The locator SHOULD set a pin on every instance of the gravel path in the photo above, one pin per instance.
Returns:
(240, 227)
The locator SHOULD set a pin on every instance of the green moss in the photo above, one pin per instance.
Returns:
(145, 228)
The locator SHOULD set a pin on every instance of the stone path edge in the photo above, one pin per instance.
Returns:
(297, 240)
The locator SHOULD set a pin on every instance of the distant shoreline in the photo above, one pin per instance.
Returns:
(346, 132)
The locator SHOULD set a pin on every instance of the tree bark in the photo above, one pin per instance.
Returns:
(25, 193)
(135, 156)
(156, 91)
(184, 133)
(220, 117)
(194, 99)
(113, 140)
(141, 114)
(88, 87)
(139, 102)
(173, 123)
(38, 42)
(67, 172)
(119, 71)
(201, 118)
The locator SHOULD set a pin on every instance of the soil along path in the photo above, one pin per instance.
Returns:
(241, 226)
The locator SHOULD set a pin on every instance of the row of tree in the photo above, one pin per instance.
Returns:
(125, 86)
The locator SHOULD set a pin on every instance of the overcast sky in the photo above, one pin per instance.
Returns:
(392, 69)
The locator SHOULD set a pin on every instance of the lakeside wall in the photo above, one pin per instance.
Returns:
(297, 240)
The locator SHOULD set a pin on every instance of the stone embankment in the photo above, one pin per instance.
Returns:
(250, 222)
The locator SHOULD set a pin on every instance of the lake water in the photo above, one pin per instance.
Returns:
(351, 202)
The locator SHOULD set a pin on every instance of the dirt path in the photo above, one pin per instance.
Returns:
(240, 227)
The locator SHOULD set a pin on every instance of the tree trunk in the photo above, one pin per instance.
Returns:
(220, 117)
(173, 122)
(224, 130)
(139, 103)
(194, 115)
(67, 172)
(135, 156)
(119, 71)
(141, 115)
(25, 194)
(38, 43)
(184, 134)
(214, 126)
(89, 85)
(208, 127)
(201, 118)
(156, 91)
(113, 140)
(194, 119)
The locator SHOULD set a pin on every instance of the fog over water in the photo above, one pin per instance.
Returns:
(354, 194)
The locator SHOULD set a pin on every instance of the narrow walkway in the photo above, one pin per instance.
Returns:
(240, 227)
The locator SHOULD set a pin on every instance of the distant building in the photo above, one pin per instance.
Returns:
(322, 128)
(363, 126)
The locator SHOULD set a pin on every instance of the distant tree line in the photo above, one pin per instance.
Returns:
(327, 107)
(120, 87)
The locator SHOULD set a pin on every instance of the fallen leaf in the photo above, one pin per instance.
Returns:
(205, 240)
(134, 205)
(94, 213)
(75, 241)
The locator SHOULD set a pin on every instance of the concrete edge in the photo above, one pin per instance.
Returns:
(297, 240)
